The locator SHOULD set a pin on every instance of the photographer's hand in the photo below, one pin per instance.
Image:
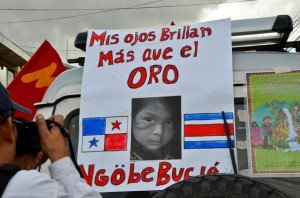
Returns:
(53, 143)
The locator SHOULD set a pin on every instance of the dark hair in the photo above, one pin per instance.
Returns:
(254, 123)
(173, 103)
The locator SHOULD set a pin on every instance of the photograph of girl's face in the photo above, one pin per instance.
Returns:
(153, 125)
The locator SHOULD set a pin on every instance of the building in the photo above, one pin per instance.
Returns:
(12, 58)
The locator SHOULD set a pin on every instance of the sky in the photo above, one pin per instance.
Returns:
(28, 23)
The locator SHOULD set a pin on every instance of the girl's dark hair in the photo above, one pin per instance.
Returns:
(173, 103)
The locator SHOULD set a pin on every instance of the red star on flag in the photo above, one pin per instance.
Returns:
(116, 125)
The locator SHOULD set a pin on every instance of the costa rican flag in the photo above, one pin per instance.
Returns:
(207, 131)
(104, 134)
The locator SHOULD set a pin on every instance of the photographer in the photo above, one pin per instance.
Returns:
(18, 177)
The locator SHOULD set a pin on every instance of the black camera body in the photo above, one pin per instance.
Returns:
(28, 138)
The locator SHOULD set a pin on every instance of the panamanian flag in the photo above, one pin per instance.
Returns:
(207, 131)
(104, 134)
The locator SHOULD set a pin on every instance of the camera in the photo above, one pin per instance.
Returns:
(28, 138)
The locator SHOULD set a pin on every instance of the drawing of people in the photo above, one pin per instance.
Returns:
(266, 130)
(256, 139)
(156, 131)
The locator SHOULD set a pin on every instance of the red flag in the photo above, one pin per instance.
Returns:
(31, 83)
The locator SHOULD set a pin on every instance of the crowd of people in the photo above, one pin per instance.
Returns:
(268, 135)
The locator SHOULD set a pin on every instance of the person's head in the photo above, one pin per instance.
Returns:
(267, 120)
(254, 124)
(154, 121)
(8, 133)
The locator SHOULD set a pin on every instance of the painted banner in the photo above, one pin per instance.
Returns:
(151, 106)
(274, 108)
(111, 132)
(206, 130)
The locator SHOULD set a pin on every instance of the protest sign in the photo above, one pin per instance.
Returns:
(151, 106)
(274, 108)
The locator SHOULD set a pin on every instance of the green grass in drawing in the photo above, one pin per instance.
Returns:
(276, 160)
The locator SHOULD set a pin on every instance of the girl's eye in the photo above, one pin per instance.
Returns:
(170, 122)
(148, 119)
(145, 122)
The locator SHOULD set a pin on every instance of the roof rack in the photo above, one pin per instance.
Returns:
(267, 34)
(270, 33)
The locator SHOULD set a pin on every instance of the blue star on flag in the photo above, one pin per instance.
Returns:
(93, 142)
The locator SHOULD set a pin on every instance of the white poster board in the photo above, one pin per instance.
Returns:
(151, 106)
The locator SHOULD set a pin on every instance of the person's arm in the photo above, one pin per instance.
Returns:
(64, 172)
(62, 169)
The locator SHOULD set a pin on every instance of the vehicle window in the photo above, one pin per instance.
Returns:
(72, 125)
